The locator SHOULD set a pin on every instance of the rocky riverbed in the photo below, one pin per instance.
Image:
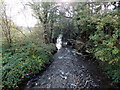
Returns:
(69, 69)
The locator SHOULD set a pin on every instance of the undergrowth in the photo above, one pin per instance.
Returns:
(22, 60)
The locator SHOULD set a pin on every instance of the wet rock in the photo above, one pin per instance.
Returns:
(61, 72)
(73, 85)
(60, 57)
(66, 71)
(63, 77)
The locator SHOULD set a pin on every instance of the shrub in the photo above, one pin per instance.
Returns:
(106, 38)
(100, 35)
(22, 60)
(106, 41)
(113, 71)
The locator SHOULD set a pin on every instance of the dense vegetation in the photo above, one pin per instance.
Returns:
(87, 26)
(103, 40)
(23, 60)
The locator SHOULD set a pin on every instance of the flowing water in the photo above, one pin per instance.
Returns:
(59, 42)
(69, 69)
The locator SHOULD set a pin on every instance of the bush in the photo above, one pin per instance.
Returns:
(22, 60)
(107, 44)
(106, 38)
(113, 71)
(100, 35)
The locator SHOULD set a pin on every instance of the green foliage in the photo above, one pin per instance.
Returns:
(86, 24)
(107, 44)
(100, 35)
(22, 60)
(113, 71)
(106, 38)
(96, 32)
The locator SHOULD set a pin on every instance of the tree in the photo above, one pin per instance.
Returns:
(42, 12)
(56, 18)
(6, 24)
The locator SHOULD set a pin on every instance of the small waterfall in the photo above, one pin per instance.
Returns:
(59, 42)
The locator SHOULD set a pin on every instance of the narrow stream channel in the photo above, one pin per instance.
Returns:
(68, 71)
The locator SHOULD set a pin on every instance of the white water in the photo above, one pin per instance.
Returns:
(59, 42)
